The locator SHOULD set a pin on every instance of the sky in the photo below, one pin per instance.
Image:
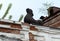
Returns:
(19, 8)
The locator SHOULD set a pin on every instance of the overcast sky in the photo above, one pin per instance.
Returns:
(19, 7)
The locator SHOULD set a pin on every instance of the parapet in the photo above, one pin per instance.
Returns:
(12, 30)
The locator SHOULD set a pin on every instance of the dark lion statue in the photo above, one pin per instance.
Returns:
(29, 18)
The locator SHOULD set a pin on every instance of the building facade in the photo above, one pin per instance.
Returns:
(17, 31)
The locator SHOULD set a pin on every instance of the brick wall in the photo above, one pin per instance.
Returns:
(27, 32)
